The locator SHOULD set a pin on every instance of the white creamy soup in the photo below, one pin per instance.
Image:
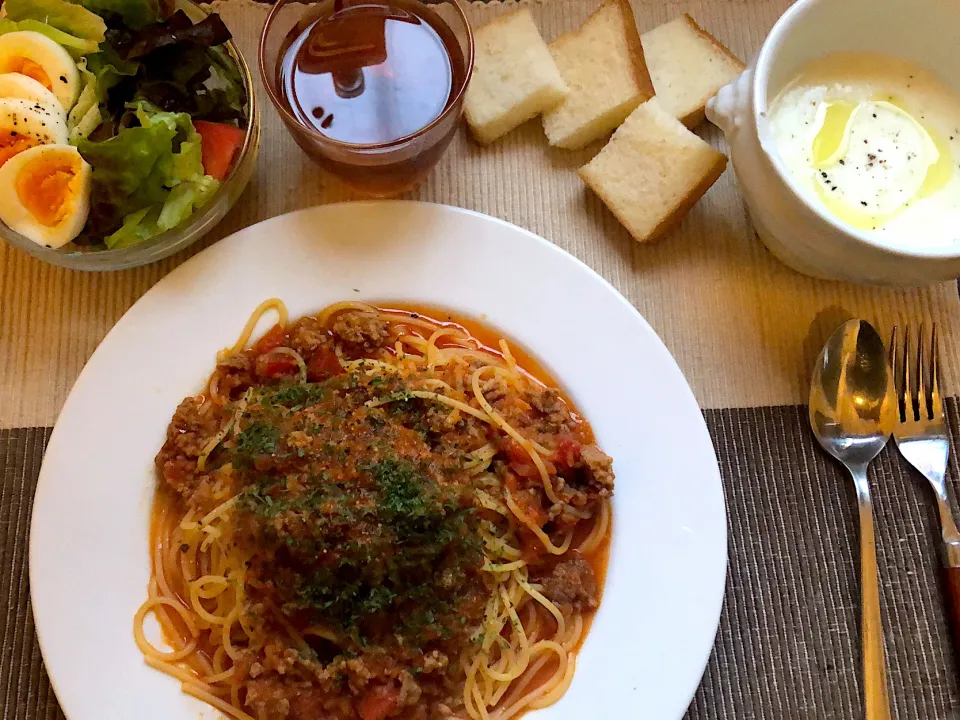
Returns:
(876, 140)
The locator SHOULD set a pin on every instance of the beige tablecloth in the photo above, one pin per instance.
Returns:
(743, 328)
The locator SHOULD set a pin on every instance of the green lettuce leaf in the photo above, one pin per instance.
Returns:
(72, 19)
(127, 173)
(147, 179)
(136, 228)
(85, 116)
(135, 14)
(78, 47)
(180, 204)
(186, 163)
(109, 69)
(184, 199)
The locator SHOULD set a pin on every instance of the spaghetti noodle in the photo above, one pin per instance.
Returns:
(373, 514)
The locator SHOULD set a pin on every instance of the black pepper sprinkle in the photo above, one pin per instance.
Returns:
(864, 142)
(863, 202)
(843, 162)
(63, 78)
(823, 174)
(874, 114)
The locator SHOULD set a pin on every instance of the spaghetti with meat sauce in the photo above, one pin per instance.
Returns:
(373, 514)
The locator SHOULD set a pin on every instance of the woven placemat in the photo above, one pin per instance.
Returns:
(788, 643)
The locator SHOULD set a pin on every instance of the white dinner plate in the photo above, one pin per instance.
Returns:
(89, 562)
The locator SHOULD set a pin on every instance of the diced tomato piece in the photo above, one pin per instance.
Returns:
(272, 339)
(525, 501)
(219, 143)
(273, 366)
(566, 455)
(514, 450)
(519, 459)
(323, 364)
(379, 703)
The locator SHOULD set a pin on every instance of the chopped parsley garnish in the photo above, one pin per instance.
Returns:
(259, 438)
(296, 396)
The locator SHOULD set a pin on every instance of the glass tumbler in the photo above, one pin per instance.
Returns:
(351, 53)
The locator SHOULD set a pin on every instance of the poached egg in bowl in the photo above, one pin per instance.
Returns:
(874, 139)
(50, 197)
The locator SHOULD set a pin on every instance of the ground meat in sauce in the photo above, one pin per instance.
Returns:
(556, 415)
(235, 374)
(308, 335)
(598, 467)
(572, 583)
(493, 388)
(327, 485)
(187, 435)
(365, 331)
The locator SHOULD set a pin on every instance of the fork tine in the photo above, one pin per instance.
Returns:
(923, 409)
(894, 357)
(908, 412)
(937, 406)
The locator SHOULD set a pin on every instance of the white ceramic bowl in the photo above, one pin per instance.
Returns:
(799, 231)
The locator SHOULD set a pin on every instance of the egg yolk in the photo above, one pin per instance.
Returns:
(12, 142)
(26, 66)
(45, 185)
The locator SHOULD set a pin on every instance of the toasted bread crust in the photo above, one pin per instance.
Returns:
(719, 46)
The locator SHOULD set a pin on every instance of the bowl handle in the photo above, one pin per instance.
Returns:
(729, 109)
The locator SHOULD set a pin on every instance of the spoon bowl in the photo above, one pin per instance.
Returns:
(852, 408)
(852, 413)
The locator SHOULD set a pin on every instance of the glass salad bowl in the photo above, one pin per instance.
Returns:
(202, 220)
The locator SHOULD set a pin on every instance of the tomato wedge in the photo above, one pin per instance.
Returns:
(219, 143)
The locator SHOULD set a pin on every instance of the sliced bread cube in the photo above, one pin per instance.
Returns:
(652, 171)
(514, 76)
(688, 65)
(602, 64)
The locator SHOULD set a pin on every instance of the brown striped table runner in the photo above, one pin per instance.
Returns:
(744, 329)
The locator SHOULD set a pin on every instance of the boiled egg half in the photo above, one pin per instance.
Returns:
(27, 123)
(50, 197)
(16, 85)
(44, 60)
